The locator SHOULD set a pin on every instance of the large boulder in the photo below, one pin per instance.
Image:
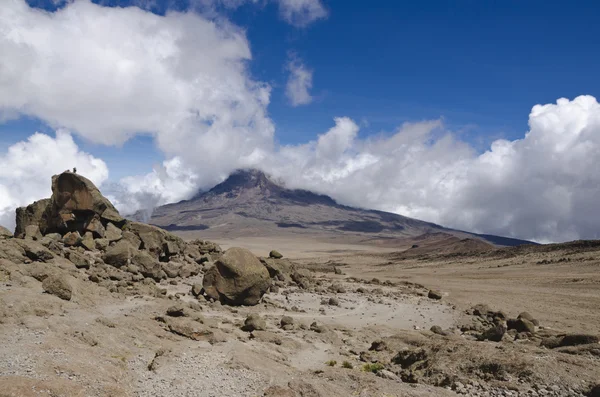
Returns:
(33, 214)
(237, 278)
(119, 254)
(157, 241)
(77, 205)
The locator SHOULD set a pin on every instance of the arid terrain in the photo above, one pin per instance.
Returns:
(92, 304)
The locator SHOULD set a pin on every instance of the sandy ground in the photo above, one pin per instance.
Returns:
(107, 344)
(564, 295)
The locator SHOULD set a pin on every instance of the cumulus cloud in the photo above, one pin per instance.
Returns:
(299, 82)
(109, 73)
(302, 12)
(168, 182)
(541, 187)
(27, 167)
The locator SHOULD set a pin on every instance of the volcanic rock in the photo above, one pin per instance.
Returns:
(237, 278)
(254, 322)
(58, 286)
(33, 214)
(275, 255)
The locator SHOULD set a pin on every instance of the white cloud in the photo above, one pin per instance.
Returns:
(108, 73)
(167, 183)
(299, 82)
(27, 167)
(301, 13)
(544, 186)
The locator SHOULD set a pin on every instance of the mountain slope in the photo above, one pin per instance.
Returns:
(250, 203)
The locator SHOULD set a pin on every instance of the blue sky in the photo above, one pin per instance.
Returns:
(418, 108)
(480, 66)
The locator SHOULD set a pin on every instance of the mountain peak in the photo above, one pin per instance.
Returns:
(245, 179)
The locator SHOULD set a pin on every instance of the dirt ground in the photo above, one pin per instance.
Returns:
(343, 328)
(560, 287)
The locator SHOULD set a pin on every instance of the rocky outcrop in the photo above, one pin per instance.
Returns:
(5, 233)
(33, 214)
(237, 278)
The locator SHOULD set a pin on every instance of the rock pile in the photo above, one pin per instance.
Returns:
(78, 224)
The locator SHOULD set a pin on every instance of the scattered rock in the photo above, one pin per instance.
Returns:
(254, 322)
(237, 278)
(58, 286)
(33, 214)
(79, 260)
(197, 289)
(113, 233)
(436, 329)
(578, 339)
(119, 254)
(275, 255)
(318, 328)
(378, 346)
(176, 311)
(32, 232)
(434, 294)
(333, 301)
(279, 391)
(287, 323)
(5, 233)
(529, 317)
(494, 334)
(88, 241)
(521, 325)
(71, 239)
(385, 374)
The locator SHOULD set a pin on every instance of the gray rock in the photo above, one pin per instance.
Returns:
(132, 238)
(434, 294)
(119, 254)
(88, 241)
(72, 239)
(287, 323)
(275, 255)
(113, 233)
(58, 286)
(237, 278)
(79, 260)
(385, 374)
(33, 214)
(32, 232)
(95, 226)
(254, 322)
(101, 244)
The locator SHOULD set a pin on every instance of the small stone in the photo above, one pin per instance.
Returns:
(176, 311)
(385, 374)
(254, 322)
(275, 255)
(88, 241)
(196, 289)
(287, 323)
(58, 286)
(434, 294)
(113, 233)
(71, 239)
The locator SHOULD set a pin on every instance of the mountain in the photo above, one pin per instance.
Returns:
(249, 203)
